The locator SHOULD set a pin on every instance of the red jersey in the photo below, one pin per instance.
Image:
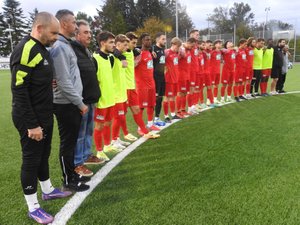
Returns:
(201, 62)
(185, 60)
(172, 70)
(216, 62)
(229, 59)
(144, 71)
(195, 59)
(241, 61)
(207, 60)
(250, 57)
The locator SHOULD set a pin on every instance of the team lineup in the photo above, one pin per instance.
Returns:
(54, 73)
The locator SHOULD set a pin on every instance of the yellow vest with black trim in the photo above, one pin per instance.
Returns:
(129, 71)
(106, 83)
(258, 58)
(119, 78)
(268, 59)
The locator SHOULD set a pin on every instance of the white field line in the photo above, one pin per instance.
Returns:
(65, 213)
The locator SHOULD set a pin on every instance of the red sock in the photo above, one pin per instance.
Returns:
(241, 89)
(106, 135)
(138, 118)
(201, 96)
(262, 88)
(98, 139)
(229, 91)
(172, 106)
(223, 88)
(150, 113)
(123, 125)
(116, 129)
(189, 98)
(183, 103)
(216, 89)
(266, 87)
(210, 96)
(178, 103)
(236, 90)
(166, 107)
(248, 88)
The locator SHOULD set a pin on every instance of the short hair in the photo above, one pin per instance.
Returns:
(121, 38)
(43, 18)
(176, 41)
(193, 31)
(191, 40)
(159, 34)
(82, 23)
(218, 41)
(260, 40)
(226, 42)
(201, 42)
(208, 41)
(250, 40)
(131, 35)
(62, 13)
(242, 41)
(104, 36)
(280, 40)
(143, 35)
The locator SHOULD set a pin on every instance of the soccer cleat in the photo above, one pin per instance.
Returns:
(102, 156)
(153, 128)
(253, 95)
(248, 96)
(177, 117)
(117, 145)
(93, 160)
(130, 137)
(124, 143)
(168, 120)
(111, 149)
(40, 216)
(237, 99)
(208, 102)
(151, 135)
(83, 171)
(203, 106)
(159, 123)
(241, 97)
(56, 193)
(186, 114)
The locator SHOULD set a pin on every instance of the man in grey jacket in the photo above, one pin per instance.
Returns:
(68, 102)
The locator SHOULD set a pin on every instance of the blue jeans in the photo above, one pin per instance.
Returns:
(84, 142)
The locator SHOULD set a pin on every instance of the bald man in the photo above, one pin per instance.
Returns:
(32, 111)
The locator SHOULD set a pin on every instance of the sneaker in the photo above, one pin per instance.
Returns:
(237, 99)
(203, 106)
(177, 117)
(257, 95)
(124, 143)
(249, 96)
(75, 186)
(56, 193)
(151, 135)
(80, 178)
(159, 123)
(102, 156)
(281, 91)
(130, 137)
(153, 128)
(111, 149)
(241, 97)
(186, 114)
(93, 160)
(168, 120)
(40, 216)
(208, 102)
(83, 171)
(117, 145)
(253, 95)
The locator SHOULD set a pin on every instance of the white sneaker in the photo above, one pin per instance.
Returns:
(208, 102)
(117, 145)
(130, 137)
(124, 143)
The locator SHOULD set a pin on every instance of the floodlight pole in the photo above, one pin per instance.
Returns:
(208, 28)
(295, 41)
(176, 18)
(264, 27)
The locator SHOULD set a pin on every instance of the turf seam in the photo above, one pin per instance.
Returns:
(66, 212)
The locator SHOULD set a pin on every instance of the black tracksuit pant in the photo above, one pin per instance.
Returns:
(68, 118)
(280, 82)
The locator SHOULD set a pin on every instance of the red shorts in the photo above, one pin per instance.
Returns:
(104, 115)
(207, 79)
(120, 109)
(215, 78)
(171, 90)
(193, 79)
(227, 76)
(183, 86)
(240, 76)
(147, 97)
(266, 72)
(249, 74)
(132, 96)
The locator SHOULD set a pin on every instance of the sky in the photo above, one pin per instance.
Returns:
(197, 9)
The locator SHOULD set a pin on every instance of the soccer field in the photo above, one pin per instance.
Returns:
(238, 164)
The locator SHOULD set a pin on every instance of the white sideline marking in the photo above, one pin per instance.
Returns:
(65, 213)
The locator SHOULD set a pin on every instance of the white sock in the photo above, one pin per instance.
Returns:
(46, 186)
(222, 98)
(166, 116)
(173, 114)
(215, 99)
(150, 123)
(32, 202)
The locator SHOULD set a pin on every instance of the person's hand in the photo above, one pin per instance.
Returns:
(124, 63)
(154, 55)
(36, 133)
(84, 109)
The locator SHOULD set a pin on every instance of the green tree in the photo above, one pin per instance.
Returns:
(84, 16)
(31, 18)
(14, 19)
(148, 8)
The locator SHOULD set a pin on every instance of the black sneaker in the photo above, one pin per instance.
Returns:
(253, 95)
(168, 120)
(242, 97)
(75, 186)
(281, 91)
(176, 118)
(257, 95)
(81, 178)
(237, 99)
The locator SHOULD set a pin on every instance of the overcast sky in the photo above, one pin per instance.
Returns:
(286, 11)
